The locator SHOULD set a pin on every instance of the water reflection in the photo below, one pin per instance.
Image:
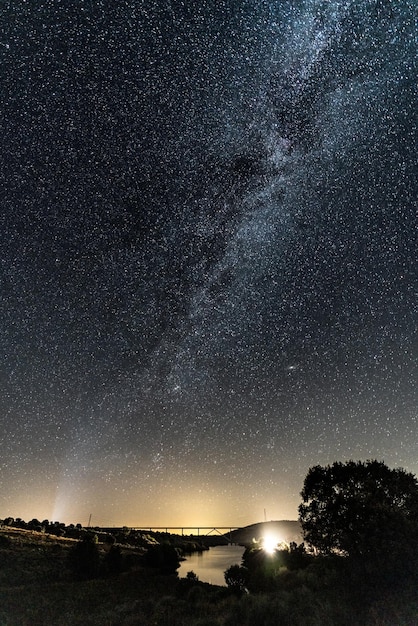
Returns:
(210, 565)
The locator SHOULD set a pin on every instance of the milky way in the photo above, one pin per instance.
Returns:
(207, 254)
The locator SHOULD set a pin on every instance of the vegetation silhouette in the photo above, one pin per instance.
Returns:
(113, 562)
(163, 556)
(236, 577)
(367, 512)
(357, 507)
(84, 558)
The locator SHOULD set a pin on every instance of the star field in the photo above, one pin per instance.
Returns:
(207, 254)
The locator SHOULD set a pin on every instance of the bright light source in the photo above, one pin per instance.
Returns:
(270, 543)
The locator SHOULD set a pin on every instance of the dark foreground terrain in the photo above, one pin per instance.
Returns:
(37, 588)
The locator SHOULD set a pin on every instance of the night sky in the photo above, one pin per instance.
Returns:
(207, 254)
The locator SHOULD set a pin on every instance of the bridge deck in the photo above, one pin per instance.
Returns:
(220, 530)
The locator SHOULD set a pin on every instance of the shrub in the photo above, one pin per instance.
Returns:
(113, 561)
(236, 577)
(163, 556)
(84, 559)
(5, 542)
(192, 577)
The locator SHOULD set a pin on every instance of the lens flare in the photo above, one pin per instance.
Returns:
(270, 543)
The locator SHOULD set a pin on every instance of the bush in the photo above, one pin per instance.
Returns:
(113, 561)
(5, 542)
(192, 577)
(84, 560)
(236, 577)
(163, 556)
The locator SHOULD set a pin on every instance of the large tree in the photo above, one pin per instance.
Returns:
(361, 510)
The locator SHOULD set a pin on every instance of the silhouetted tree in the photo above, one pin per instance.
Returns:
(34, 524)
(20, 523)
(365, 510)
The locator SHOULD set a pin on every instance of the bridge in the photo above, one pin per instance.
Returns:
(202, 531)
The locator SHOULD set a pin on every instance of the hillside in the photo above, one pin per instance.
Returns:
(284, 530)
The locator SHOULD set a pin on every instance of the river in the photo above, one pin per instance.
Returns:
(210, 565)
